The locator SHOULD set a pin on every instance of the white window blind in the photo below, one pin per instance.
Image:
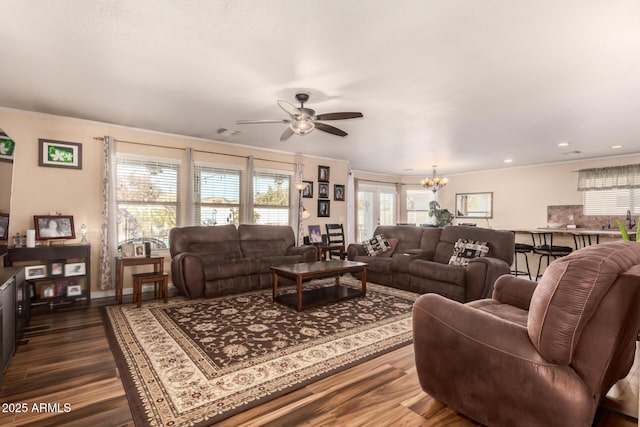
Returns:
(612, 202)
(148, 200)
(217, 195)
(271, 198)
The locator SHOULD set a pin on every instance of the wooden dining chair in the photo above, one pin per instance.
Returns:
(335, 236)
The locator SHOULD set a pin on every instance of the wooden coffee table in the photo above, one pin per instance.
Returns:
(316, 270)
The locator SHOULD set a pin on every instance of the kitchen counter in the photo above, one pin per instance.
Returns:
(570, 231)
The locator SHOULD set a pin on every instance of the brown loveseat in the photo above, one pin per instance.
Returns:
(536, 354)
(220, 260)
(419, 262)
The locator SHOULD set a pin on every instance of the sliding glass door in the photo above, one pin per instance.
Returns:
(376, 205)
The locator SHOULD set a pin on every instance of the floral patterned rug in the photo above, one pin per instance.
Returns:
(196, 362)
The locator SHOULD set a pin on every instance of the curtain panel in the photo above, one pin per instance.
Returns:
(609, 178)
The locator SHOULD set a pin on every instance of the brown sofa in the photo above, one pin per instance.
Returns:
(419, 262)
(536, 354)
(220, 260)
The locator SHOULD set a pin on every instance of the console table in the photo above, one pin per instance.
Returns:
(59, 285)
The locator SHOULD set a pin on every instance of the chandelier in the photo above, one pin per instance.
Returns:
(435, 182)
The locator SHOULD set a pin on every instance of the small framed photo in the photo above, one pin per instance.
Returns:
(338, 193)
(324, 208)
(138, 250)
(307, 193)
(47, 290)
(74, 269)
(74, 290)
(56, 268)
(51, 227)
(315, 235)
(323, 173)
(4, 226)
(61, 288)
(7, 146)
(323, 190)
(35, 272)
(59, 154)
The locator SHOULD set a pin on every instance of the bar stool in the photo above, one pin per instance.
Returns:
(543, 245)
(582, 240)
(160, 285)
(522, 248)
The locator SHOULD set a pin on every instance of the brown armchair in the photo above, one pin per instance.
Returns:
(540, 354)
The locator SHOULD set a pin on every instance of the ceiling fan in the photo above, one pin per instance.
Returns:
(303, 120)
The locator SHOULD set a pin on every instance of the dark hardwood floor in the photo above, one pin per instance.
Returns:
(64, 359)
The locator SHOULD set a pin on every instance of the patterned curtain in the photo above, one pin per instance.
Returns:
(108, 230)
(608, 178)
(189, 209)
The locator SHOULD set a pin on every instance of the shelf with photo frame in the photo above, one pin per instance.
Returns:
(55, 275)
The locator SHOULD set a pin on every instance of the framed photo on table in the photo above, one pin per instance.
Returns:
(4, 226)
(74, 290)
(52, 227)
(75, 269)
(56, 268)
(35, 272)
(315, 235)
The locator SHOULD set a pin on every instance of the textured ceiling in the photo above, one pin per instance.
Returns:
(461, 84)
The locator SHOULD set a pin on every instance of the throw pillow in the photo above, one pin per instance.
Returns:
(377, 245)
(388, 253)
(465, 249)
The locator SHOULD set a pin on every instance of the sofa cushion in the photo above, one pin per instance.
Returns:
(220, 239)
(452, 274)
(466, 249)
(230, 268)
(377, 245)
(257, 240)
(388, 253)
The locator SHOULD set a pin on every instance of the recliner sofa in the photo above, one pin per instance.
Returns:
(419, 262)
(220, 260)
(535, 354)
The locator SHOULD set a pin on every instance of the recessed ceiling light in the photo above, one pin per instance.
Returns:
(617, 146)
(563, 144)
(508, 160)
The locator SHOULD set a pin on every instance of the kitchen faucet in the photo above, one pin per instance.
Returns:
(631, 224)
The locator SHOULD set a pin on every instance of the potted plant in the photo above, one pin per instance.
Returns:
(623, 231)
(442, 216)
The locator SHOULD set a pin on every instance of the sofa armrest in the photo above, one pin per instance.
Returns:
(187, 274)
(354, 250)
(308, 253)
(482, 272)
(514, 291)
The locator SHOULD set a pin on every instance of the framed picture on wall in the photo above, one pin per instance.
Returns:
(323, 173)
(4, 226)
(59, 154)
(307, 192)
(323, 190)
(338, 193)
(324, 208)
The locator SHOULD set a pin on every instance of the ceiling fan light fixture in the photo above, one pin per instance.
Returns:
(302, 126)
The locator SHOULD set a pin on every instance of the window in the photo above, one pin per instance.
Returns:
(271, 198)
(217, 193)
(612, 202)
(147, 199)
(418, 206)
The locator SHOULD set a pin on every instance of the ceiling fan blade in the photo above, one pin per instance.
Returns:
(338, 116)
(330, 129)
(291, 109)
(286, 134)
(249, 122)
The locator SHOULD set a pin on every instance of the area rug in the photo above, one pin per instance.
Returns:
(196, 362)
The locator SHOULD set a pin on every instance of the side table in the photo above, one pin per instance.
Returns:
(121, 263)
